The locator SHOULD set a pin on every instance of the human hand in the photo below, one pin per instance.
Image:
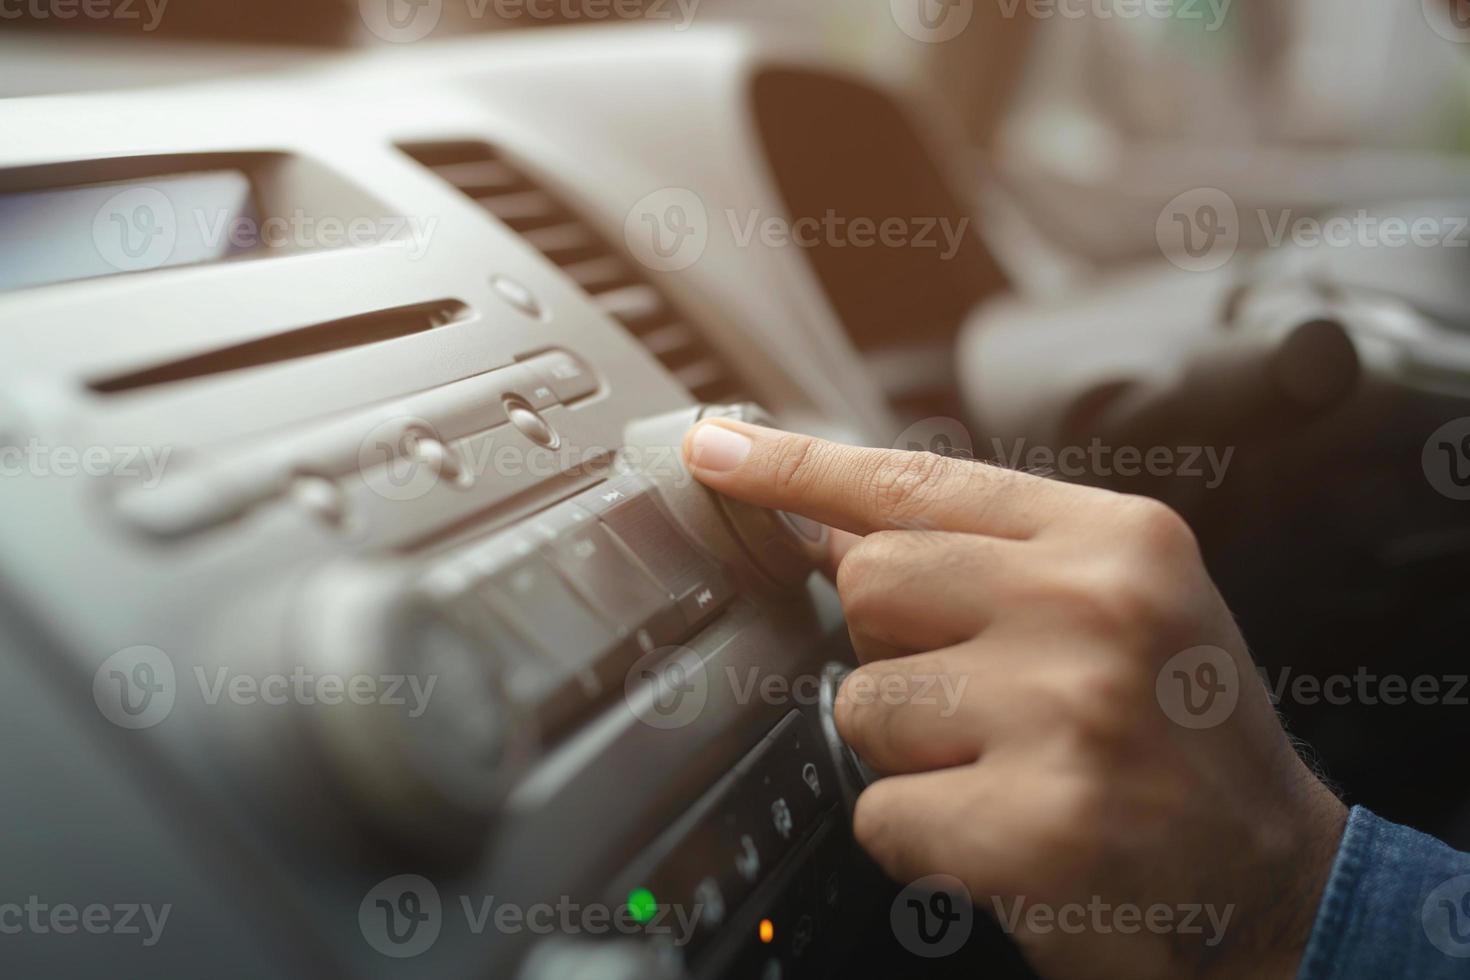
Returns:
(1109, 742)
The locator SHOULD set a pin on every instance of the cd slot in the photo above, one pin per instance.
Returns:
(312, 341)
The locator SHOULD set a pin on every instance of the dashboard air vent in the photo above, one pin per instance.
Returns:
(481, 173)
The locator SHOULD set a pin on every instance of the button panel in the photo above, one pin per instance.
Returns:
(194, 498)
(586, 588)
(737, 836)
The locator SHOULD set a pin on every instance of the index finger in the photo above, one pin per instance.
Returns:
(867, 490)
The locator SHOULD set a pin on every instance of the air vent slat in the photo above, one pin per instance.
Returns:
(701, 374)
(615, 285)
(524, 207)
(482, 178)
(669, 342)
(601, 274)
(637, 306)
(565, 243)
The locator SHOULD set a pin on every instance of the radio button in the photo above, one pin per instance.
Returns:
(523, 382)
(566, 374)
(531, 424)
(534, 599)
(594, 563)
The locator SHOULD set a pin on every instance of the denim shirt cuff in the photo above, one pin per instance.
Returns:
(1396, 905)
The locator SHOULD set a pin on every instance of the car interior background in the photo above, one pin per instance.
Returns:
(357, 338)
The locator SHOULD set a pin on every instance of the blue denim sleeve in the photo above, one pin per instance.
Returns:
(1397, 905)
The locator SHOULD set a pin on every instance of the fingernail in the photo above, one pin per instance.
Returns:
(718, 449)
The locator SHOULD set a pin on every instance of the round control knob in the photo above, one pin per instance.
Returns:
(784, 545)
(419, 737)
(783, 548)
(853, 774)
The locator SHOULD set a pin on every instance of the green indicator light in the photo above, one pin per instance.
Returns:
(642, 905)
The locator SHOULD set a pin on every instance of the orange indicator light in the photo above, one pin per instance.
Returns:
(767, 931)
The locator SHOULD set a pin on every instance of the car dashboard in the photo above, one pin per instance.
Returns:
(384, 604)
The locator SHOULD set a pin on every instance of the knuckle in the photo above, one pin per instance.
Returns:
(853, 709)
(1102, 712)
(872, 820)
(1078, 806)
(1093, 708)
(903, 483)
(864, 570)
(1113, 600)
(797, 463)
(1157, 530)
